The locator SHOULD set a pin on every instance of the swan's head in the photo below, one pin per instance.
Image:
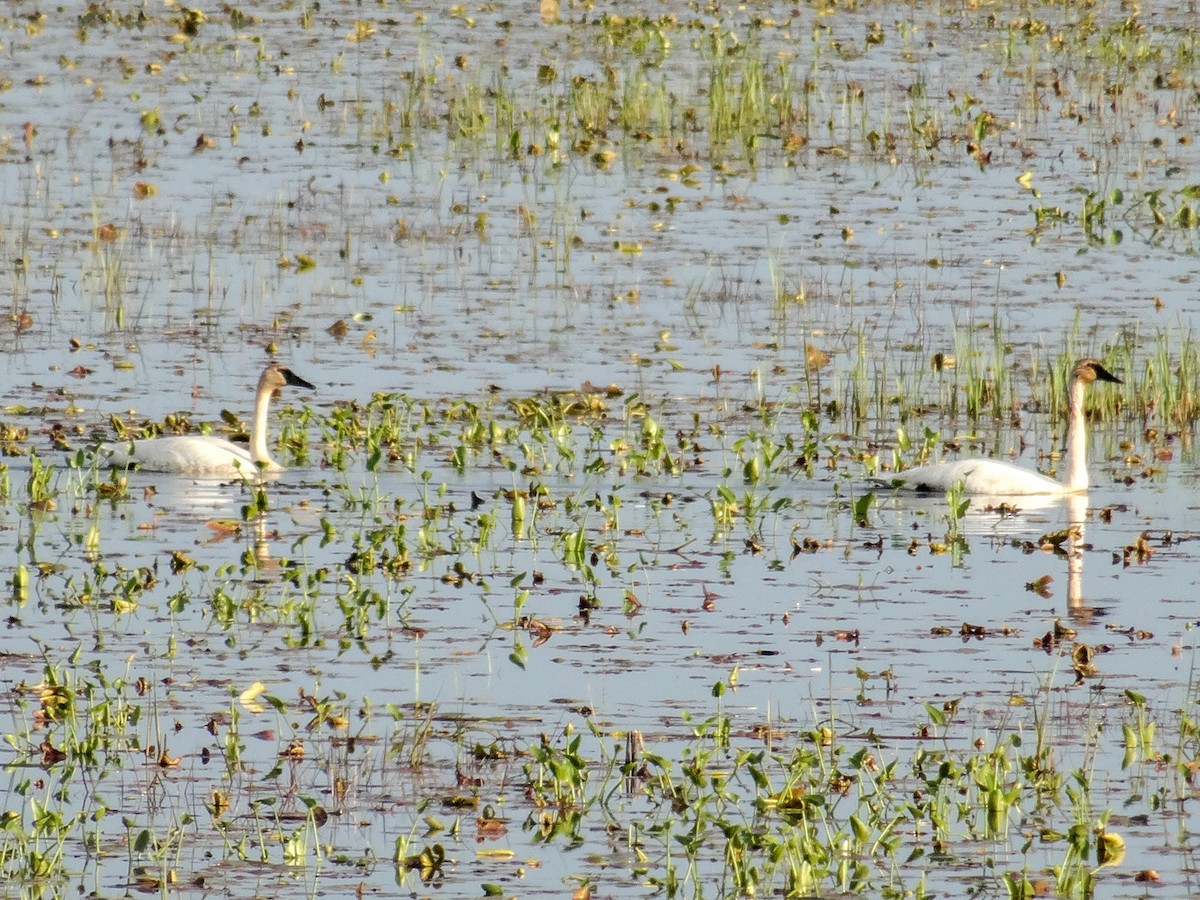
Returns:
(1088, 370)
(276, 376)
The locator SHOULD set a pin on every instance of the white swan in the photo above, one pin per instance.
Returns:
(199, 454)
(992, 477)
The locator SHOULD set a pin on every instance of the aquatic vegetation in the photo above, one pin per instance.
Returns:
(794, 804)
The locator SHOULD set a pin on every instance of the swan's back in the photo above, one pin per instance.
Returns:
(193, 454)
(992, 477)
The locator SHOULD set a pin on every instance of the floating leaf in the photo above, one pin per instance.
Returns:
(495, 853)
(1040, 586)
(249, 697)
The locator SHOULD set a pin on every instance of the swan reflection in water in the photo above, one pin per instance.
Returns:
(1008, 519)
(212, 511)
(1075, 543)
(1068, 542)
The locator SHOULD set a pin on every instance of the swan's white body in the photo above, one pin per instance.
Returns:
(207, 455)
(994, 478)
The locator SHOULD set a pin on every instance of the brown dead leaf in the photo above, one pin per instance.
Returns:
(51, 755)
(223, 527)
(815, 358)
(489, 830)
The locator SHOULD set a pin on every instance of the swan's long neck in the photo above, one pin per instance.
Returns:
(258, 430)
(1077, 473)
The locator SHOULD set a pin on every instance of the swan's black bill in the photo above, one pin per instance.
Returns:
(1102, 374)
(294, 380)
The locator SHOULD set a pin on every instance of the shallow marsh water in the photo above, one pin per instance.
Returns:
(459, 638)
